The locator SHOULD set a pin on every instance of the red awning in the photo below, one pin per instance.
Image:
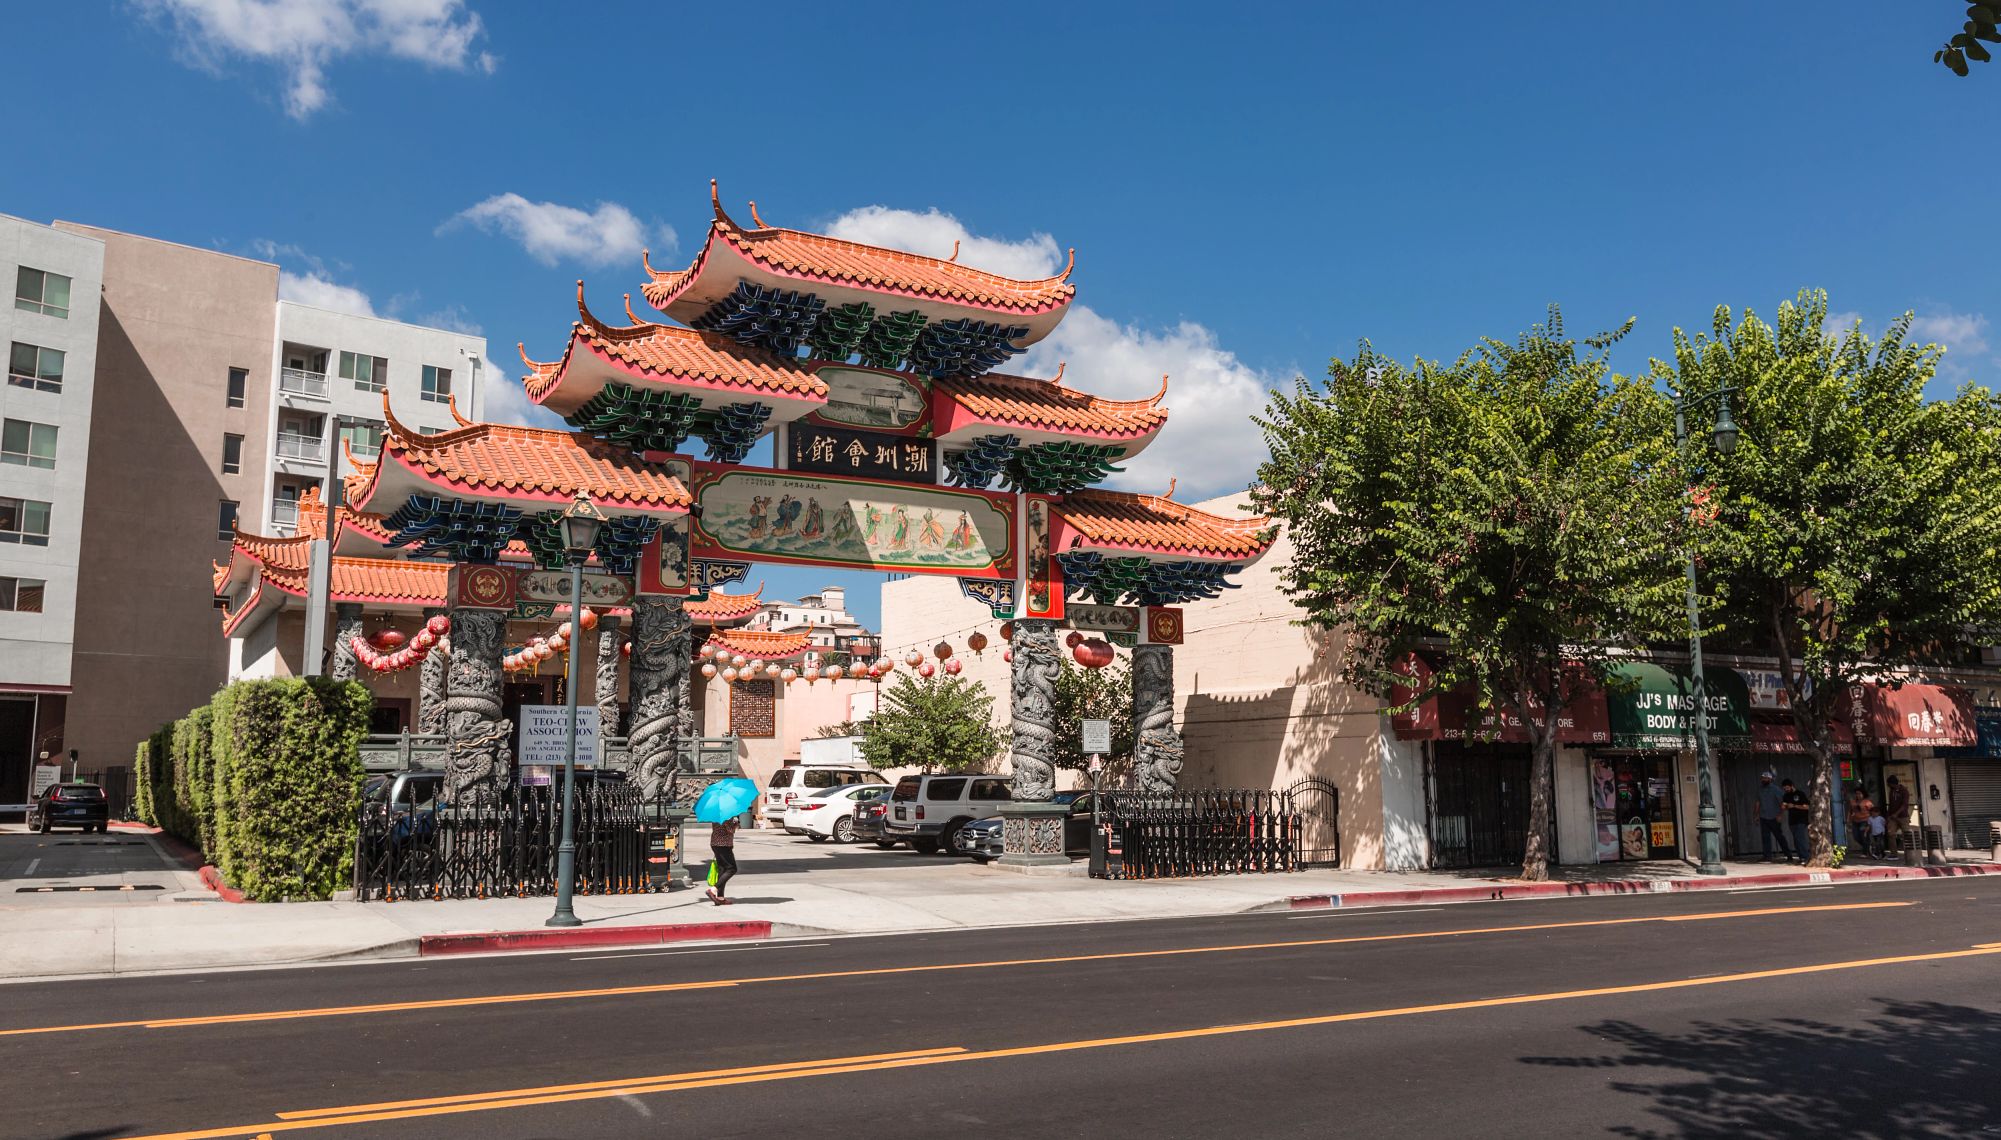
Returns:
(1909, 716)
(1457, 716)
(1784, 736)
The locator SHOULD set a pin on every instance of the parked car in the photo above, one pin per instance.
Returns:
(829, 813)
(407, 801)
(982, 839)
(868, 821)
(796, 780)
(928, 811)
(77, 805)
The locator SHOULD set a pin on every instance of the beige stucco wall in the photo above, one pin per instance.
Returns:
(173, 321)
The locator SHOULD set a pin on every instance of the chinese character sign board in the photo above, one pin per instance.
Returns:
(847, 451)
(1042, 575)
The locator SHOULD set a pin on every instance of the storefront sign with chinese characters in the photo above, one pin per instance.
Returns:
(826, 450)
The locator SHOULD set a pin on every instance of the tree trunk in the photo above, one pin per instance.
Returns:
(1542, 781)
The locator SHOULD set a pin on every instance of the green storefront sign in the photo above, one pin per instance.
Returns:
(1653, 709)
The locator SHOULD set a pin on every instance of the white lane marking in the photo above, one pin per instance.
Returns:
(717, 950)
(1774, 890)
(32, 864)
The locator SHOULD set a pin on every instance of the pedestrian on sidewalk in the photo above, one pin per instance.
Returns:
(1798, 810)
(1771, 809)
(1896, 814)
(1860, 808)
(722, 846)
(1877, 826)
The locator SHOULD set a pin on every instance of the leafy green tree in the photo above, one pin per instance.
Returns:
(1094, 694)
(1857, 524)
(1965, 44)
(941, 724)
(1516, 505)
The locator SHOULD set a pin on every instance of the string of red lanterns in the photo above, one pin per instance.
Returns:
(540, 649)
(386, 651)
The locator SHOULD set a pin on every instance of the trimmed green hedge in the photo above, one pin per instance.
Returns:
(266, 781)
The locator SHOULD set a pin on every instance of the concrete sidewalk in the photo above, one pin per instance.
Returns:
(788, 887)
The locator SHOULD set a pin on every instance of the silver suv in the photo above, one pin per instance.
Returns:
(928, 811)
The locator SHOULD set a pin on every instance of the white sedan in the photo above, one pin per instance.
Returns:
(830, 812)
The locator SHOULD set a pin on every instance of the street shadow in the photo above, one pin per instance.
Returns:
(1914, 1069)
(762, 900)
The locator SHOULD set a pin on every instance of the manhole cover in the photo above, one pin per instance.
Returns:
(122, 887)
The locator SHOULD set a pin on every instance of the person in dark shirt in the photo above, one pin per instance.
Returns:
(1798, 810)
(1770, 814)
(1896, 814)
(722, 845)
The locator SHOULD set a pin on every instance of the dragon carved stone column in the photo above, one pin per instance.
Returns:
(661, 648)
(1157, 748)
(607, 678)
(481, 761)
(1031, 832)
(431, 684)
(347, 627)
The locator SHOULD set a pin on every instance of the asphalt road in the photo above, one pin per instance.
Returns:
(1861, 1011)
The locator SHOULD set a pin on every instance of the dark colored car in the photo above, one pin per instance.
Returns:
(868, 821)
(982, 840)
(70, 805)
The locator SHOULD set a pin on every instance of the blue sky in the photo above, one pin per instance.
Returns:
(1251, 189)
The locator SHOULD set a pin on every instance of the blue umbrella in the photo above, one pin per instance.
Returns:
(724, 800)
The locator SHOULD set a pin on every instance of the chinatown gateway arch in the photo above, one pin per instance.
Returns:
(899, 448)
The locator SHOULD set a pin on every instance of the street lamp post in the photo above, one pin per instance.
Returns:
(1708, 826)
(580, 524)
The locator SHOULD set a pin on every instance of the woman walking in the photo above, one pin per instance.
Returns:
(722, 845)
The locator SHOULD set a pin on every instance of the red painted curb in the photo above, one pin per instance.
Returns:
(484, 943)
(1502, 891)
(212, 879)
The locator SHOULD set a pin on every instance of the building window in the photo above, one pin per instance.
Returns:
(32, 366)
(40, 292)
(28, 444)
(364, 438)
(369, 373)
(232, 455)
(24, 521)
(437, 384)
(225, 520)
(239, 384)
(21, 595)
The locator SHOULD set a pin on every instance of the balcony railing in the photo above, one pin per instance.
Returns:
(285, 512)
(309, 448)
(299, 382)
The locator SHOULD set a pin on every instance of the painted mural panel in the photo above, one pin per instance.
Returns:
(817, 520)
(860, 398)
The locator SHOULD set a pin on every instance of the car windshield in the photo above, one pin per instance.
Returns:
(376, 790)
(1065, 797)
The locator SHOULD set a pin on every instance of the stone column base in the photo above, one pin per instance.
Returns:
(1032, 834)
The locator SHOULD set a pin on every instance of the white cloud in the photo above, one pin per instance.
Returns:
(1209, 443)
(451, 318)
(302, 37)
(506, 401)
(1963, 333)
(933, 234)
(552, 232)
(311, 288)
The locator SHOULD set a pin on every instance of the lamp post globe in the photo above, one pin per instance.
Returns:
(580, 524)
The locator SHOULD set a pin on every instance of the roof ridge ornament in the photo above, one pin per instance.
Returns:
(1065, 275)
(636, 322)
(451, 405)
(955, 251)
(761, 223)
(716, 202)
(534, 364)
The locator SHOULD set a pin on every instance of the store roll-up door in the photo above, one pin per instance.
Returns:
(1976, 800)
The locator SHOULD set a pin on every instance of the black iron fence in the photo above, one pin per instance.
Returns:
(1220, 832)
(432, 850)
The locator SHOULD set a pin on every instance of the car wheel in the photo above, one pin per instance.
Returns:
(949, 838)
(886, 844)
(844, 831)
(924, 846)
(34, 824)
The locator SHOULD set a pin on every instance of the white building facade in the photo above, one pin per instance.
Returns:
(331, 370)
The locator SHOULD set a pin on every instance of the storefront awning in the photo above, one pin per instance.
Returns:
(1987, 726)
(1456, 715)
(1909, 715)
(1653, 709)
(1783, 736)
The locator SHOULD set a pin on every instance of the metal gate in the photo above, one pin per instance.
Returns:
(1318, 805)
(421, 851)
(1480, 804)
(1220, 832)
(1976, 801)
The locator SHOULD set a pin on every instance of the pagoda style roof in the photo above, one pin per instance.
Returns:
(716, 368)
(263, 571)
(719, 607)
(1042, 411)
(533, 469)
(1124, 524)
(841, 272)
(761, 645)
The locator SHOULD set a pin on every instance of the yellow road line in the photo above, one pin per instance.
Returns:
(527, 1098)
(879, 971)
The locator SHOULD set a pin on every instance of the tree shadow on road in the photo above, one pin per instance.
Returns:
(1915, 1069)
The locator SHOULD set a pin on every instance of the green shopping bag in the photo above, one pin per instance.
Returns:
(712, 872)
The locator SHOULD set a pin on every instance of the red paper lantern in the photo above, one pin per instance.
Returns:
(1007, 631)
(942, 650)
(927, 669)
(977, 642)
(386, 639)
(1007, 655)
(439, 624)
(626, 649)
(1093, 654)
(952, 667)
(1074, 640)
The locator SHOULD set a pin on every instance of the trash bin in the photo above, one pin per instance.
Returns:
(663, 844)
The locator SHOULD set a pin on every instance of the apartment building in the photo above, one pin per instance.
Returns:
(45, 419)
(825, 620)
(332, 371)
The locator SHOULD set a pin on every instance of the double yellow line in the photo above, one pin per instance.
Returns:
(883, 1062)
(676, 987)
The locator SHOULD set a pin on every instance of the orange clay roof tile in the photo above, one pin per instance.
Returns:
(763, 645)
(504, 458)
(871, 267)
(1048, 405)
(669, 352)
(1117, 518)
(719, 606)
